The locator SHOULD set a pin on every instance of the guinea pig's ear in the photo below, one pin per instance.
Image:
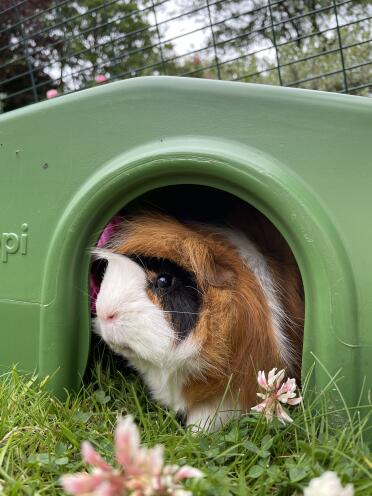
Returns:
(220, 275)
(205, 266)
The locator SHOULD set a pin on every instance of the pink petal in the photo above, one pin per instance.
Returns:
(282, 415)
(283, 398)
(261, 379)
(101, 78)
(109, 488)
(80, 483)
(127, 442)
(156, 459)
(260, 407)
(289, 386)
(271, 376)
(276, 378)
(91, 456)
(51, 94)
(187, 472)
(287, 393)
(170, 469)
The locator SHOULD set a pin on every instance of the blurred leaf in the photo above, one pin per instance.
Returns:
(267, 442)
(256, 471)
(296, 474)
(83, 417)
(251, 446)
(60, 449)
(101, 397)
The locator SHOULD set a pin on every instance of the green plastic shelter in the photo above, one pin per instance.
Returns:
(303, 158)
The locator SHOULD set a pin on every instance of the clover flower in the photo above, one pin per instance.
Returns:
(101, 78)
(328, 484)
(52, 93)
(276, 392)
(141, 472)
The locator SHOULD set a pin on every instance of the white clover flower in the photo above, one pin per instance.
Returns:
(275, 394)
(328, 484)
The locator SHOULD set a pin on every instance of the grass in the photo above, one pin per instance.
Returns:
(40, 439)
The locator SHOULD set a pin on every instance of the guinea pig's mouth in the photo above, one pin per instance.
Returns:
(126, 349)
(121, 349)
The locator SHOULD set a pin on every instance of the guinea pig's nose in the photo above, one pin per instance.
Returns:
(109, 316)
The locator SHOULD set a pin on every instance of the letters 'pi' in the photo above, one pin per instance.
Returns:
(11, 243)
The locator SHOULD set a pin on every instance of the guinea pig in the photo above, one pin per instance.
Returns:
(198, 309)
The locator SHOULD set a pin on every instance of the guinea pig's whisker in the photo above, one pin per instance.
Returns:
(85, 293)
(185, 313)
(195, 289)
(156, 311)
(140, 261)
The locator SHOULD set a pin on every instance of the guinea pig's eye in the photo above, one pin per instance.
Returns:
(164, 281)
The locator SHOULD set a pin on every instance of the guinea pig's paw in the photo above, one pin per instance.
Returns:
(211, 417)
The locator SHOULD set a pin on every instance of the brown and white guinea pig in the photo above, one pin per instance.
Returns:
(198, 310)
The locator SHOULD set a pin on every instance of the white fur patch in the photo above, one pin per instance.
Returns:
(141, 333)
(212, 416)
(140, 326)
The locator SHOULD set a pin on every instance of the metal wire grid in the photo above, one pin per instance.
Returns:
(72, 44)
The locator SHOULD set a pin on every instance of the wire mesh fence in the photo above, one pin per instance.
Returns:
(53, 47)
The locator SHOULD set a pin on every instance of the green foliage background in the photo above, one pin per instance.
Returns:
(66, 44)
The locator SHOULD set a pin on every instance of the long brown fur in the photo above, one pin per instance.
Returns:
(285, 272)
